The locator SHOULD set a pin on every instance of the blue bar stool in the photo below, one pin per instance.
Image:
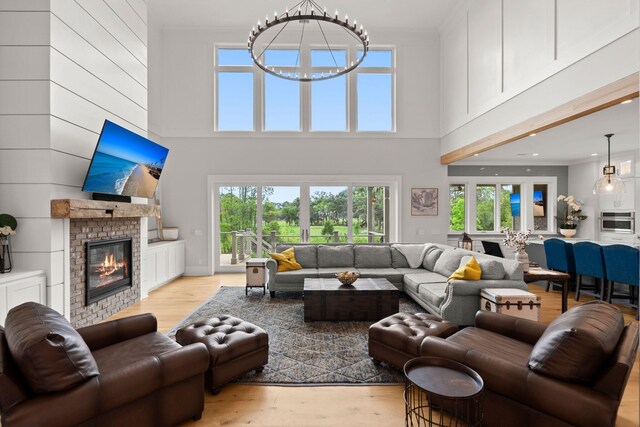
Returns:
(559, 256)
(623, 267)
(590, 262)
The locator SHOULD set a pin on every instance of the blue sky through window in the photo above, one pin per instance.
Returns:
(329, 105)
(281, 104)
(375, 102)
(323, 58)
(281, 58)
(377, 58)
(234, 57)
(235, 101)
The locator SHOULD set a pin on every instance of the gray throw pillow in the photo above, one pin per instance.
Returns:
(448, 262)
(398, 260)
(431, 257)
(491, 268)
(577, 344)
(335, 256)
(306, 255)
(372, 256)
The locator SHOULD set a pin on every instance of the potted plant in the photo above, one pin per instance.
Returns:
(8, 226)
(518, 241)
(568, 223)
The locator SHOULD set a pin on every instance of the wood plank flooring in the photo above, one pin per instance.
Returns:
(259, 405)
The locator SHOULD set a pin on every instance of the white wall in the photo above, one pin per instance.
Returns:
(181, 113)
(65, 67)
(506, 61)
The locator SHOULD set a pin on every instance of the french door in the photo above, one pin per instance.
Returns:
(250, 220)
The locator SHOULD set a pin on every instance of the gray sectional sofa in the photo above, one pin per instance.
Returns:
(455, 300)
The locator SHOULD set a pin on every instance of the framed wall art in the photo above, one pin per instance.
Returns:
(424, 202)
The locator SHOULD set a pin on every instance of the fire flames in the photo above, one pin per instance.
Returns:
(110, 266)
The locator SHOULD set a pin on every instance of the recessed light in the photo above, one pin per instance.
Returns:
(528, 170)
(535, 154)
(532, 134)
(482, 169)
(594, 154)
(476, 155)
(497, 174)
(522, 154)
(627, 101)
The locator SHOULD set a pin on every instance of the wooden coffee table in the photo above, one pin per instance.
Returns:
(366, 299)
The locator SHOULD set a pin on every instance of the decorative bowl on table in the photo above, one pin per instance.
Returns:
(347, 277)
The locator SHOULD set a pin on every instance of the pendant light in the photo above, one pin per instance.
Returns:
(608, 182)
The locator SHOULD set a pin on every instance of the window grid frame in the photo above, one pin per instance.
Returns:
(259, 94)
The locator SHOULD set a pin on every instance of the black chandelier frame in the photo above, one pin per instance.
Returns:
(307, 16)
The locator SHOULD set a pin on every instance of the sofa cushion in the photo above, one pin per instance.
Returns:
(370, 256)
(411, 286)
(577, 343)
(426, 277)
(328, 272)
(398, 260)
(297, 276)
(448, 262)
(483, 342)
(433, 293)
(50, 353)
(411, 270)
(306, 255)
(391, 274)
(491, 269)
(335, 256)
(431, 257)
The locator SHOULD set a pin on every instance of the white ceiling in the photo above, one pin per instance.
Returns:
(374, 14)
(572, 142)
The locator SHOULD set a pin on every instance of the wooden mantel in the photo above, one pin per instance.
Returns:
(79, 208)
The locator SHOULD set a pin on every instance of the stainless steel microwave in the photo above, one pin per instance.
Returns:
(618, 222)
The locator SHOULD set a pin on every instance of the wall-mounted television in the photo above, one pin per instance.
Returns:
(515, 204)
(538, 203)
(124, 164)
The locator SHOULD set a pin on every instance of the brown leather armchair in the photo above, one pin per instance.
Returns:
(144, 378)
(500, 349)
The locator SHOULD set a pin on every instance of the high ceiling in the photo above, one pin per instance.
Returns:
(572, 142)
(374, 14)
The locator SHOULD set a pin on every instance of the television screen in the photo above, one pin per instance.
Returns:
(515, 204)
(538, 203)
(124, 163)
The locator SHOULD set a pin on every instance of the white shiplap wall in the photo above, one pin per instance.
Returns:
(65, 67)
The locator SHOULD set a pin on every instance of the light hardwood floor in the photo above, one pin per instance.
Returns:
(316, 406)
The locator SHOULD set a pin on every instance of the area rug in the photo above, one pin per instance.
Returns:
(301, 352)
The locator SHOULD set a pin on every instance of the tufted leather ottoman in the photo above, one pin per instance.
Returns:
(235, 347)
(398, 338)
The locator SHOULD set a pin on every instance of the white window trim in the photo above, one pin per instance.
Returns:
(526, 201)
(394, 182)
(305, 94)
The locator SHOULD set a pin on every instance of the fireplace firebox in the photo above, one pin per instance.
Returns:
(108, 268)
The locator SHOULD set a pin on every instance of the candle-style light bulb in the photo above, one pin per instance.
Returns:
(305, 75)
(286, 12)
(258, 25)
(325, 11)
(346, 18)
(312, 10)
(336, 13)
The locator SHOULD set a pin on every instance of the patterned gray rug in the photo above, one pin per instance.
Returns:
(299, 352)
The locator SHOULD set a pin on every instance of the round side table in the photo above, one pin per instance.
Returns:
(441, 392)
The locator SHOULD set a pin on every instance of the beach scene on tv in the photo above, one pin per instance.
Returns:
(125, 164)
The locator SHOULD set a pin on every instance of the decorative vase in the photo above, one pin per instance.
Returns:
(5, 255)
(523, 258)
(568, 232)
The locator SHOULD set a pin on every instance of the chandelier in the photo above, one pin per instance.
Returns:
(307, 22)
(608, 182)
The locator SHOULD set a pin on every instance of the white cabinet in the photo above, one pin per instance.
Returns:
(165, 261)
(18, 287)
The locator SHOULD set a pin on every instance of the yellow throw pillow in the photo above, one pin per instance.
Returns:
(470, 271)
(286, 260)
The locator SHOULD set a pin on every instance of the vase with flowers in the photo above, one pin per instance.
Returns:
(8, 226)
(518, 241)
(568, 223)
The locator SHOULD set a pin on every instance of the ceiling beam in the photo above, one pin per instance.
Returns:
(599, 99)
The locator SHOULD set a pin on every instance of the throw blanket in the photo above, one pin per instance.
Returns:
(413, 253)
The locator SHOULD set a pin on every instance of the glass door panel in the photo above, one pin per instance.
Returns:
(238, 225)
(328, 206)
(280, 216)
(369, 210)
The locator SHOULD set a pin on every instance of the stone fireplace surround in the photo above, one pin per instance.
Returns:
(81, 231)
